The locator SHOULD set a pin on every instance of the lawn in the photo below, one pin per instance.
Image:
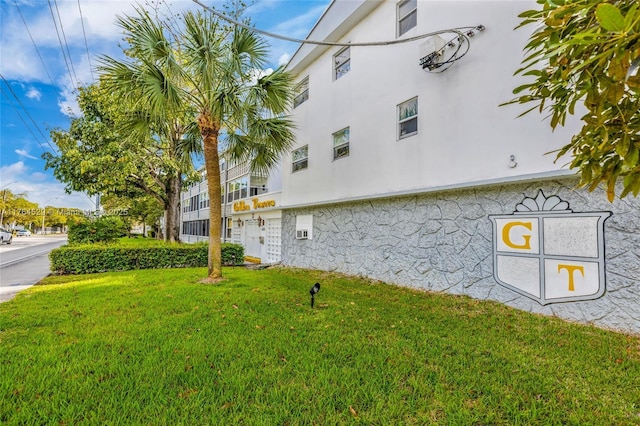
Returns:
(155, 347)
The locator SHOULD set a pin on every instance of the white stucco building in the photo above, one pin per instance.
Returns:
(414, 176)
(251, 213)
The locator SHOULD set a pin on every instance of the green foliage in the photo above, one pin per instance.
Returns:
(207, 68)
(580, 57)
(158, 348)
(232, 254)
(102, 258)
(139, 254)
(101, 229)
(16, 208)
(118, 149)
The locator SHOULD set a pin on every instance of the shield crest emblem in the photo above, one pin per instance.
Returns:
(548, 253)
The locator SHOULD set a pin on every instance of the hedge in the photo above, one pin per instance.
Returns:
(89, 259)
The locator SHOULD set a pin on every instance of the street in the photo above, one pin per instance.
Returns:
(25, 262)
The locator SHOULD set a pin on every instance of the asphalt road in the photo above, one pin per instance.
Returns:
(24, 262)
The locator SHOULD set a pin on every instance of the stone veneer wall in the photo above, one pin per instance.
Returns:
(443, 242)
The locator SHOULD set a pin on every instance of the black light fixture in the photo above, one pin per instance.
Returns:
(315, 289)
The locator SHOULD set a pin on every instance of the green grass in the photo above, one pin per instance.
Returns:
(155, 347)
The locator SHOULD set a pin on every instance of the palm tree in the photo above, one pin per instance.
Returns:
(212, 69)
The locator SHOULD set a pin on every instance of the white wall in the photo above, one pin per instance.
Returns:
(464, 136)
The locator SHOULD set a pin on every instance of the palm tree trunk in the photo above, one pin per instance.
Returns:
(209, 130)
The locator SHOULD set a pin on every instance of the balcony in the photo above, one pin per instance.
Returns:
(241, 170)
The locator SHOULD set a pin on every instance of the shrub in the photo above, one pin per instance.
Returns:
(93, 258)
(232, 254)
(101, 229)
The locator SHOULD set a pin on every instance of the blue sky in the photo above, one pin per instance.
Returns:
(38, 75)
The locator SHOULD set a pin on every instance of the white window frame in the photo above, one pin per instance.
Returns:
(204, 200)
(412, 14)
(339, 137)
(341, 63)
(406, 115)
(301, 92)
(300, 160)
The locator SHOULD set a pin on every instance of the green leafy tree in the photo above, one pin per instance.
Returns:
(585, 54)
(214, 70)
(17, 209)
(117, 149)
(143, 209)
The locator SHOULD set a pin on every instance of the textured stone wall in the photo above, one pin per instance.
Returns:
(443, 242)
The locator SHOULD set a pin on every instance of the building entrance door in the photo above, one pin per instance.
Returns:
(252, 245)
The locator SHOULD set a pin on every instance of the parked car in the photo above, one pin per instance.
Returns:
(23, 233)
(5, 236)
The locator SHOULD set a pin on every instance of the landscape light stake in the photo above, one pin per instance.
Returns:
(313, 291)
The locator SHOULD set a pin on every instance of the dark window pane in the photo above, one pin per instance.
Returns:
(408, 127)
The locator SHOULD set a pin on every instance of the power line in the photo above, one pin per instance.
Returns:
(60, 41)
(34, 43)
(27, 112)
(23, 121)
(65, 42)
(85, 42)
(458, 31)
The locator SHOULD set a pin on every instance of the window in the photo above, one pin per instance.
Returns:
(408, 118)
(204, 200)
(186, 204)
(244, 184)
(341, 143)
(229, 227)
(237, 189)
(199, 228)
(300, 159)
(407, 15)
(258, 186)
(341, 63)
(195, 203)
(301, 92)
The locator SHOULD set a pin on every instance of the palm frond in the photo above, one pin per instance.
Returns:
(264, 143)
(273, 92)
(203, 50)
(248, 50)
(191, 141)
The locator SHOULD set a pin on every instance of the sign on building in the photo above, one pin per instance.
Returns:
(549, 253)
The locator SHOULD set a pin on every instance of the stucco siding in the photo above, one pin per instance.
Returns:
(443, 242)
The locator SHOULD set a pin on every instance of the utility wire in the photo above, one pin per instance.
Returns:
(55, 24)
(85, 42)
(34, 43)
(458, 31)
(55, 2)
(35, 138)
(27, 112)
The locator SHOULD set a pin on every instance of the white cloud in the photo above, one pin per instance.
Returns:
(67, 101)
(25, 65)
(284, 58)
(39, 177)
(34, 93)
(12, 172)
(23, 153)
(16, 178)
